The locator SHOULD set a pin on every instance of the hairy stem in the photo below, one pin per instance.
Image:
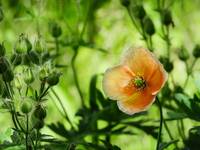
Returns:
(27, 131)
(63, 108)
(76, 77)
(161, 123)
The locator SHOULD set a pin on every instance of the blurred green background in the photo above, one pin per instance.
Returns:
(111, 31)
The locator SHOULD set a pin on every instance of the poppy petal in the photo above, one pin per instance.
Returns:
(141, 61)
(157, 80)
(138, 102)
(115, 82)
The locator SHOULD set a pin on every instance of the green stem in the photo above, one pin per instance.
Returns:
(168, 42)
(76, 77)
(43, 94)
(169, 133)
(26, 90)
(27, 132)
(86, 20)
(57, 46)
(63, 108)
(150, 43)
(182, 128)
(189, 71)
(167, 129)
(161, 123)
(158, 4)
(133, 21)
(179, 129)
(36, 141)
(13, 119)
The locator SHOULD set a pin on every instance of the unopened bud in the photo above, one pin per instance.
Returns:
(18, 83)
(28, 76)
(20, 46)
(183, 54)
(39, 124)
(139, 12)
(16, 59)
(4, 64)
(125, 3)
(53, 79)
(167, 18)
(26, 59)
(8, 75)
(38, 47)
(148, 26)
(40, 112)
(45, 56)
(28, 45)
(196, 51)
(168, 65)
(56, 30)
(178, 89)
(26, 106)
(34, 57)
(42, 74)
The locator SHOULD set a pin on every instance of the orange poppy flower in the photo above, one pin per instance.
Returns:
(136, 81)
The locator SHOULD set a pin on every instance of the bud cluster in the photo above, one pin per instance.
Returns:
(26, 78)
(5, 67)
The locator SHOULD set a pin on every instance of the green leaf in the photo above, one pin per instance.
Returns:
(175, 115)
(165, 145)
(192, 142)
(191, 107)
(184, 99)
(109, 146)
(148, 129)
(92, 92)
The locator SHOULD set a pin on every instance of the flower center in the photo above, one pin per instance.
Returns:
(139, 82)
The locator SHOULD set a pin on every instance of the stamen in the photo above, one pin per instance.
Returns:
(139, 82)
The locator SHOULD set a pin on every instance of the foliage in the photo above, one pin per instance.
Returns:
(50, 46)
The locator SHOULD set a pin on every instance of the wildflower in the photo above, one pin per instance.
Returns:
(136, 81)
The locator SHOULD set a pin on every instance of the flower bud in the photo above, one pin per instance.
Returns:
(20, 46)
(196, 51)
(5, 93)
(26, 106)
(45, 56)
(125, 3)
(148, 26)
(8, 75)
(28, 45)
(2, 50)
(16, 59)
(4, 64)
(40, 112)
(18, 83)
(34, 57)
(167, 18)
(166, 91)
(178, 89)
(28, 76)
(1, 14)
(168, 65)
(39, 124)
(183, 54)
(53, 79)
(139, 12)
(56, 30)
(42, 74)
(38, 47)
(26, 59)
